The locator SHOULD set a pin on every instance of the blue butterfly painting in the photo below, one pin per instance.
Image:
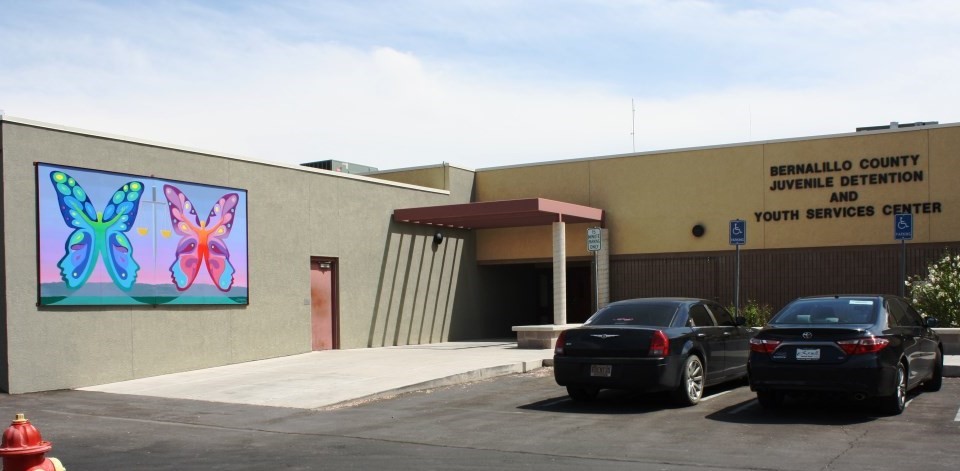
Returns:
(97, 233)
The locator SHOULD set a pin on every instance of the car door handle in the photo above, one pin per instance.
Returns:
(700, 336)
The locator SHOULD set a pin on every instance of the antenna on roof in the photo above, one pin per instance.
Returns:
(633, 125)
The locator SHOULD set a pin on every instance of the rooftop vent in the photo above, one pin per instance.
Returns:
(896, 125)
(338, 166)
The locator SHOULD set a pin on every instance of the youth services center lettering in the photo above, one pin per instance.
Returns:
(846, 177)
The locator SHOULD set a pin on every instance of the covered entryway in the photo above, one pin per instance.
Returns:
(517, 213)
(324, 315)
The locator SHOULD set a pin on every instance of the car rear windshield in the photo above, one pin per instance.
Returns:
(652, 314)
(829, 311)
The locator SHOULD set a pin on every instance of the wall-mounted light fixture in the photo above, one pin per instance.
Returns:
(699, 230)
(438, 238)
(325, 265)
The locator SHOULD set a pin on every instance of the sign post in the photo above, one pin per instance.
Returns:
(594, 242)
(738, 237)
(903, 231)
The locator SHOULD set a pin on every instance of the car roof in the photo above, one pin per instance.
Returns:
(677, 300)
(846, 296)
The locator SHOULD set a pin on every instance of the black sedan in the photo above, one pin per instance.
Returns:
(871, 346)
(656, 344)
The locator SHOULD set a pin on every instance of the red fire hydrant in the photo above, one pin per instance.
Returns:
(22, 448)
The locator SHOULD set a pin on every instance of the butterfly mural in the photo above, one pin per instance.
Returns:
(202, 242)
(97, 233)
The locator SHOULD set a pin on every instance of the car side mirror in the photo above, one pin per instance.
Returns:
(740, 320)
(931, 322)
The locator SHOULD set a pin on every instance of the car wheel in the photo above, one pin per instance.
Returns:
(770, 399)
(936, 381)
(582, 393)
(895, 403)
(691, 382)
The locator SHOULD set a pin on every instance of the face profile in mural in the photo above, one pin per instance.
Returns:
(146, 216)
(96, 233)
(202, 240)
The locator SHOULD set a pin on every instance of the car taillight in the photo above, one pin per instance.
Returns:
(864, 345)
(558, 348)
(659, 344)
(763, 345)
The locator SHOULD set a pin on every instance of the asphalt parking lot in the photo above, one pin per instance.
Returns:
(520, 421)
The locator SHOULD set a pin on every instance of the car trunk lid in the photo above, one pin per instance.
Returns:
(811, 344)
(608, 341)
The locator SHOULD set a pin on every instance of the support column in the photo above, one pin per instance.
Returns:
(603, 269)
(559, 273)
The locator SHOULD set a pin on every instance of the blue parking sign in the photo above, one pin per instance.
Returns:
(738, 232)
(903, 226)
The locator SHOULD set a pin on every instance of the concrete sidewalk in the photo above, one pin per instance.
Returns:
(321, 379)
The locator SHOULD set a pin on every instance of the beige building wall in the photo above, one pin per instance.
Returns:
(395, 286)
(653, 200)
(945, 183)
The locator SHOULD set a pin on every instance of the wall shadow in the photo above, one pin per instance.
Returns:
(418, 283)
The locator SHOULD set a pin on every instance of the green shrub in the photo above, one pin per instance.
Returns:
(756, 314)
(938, 293)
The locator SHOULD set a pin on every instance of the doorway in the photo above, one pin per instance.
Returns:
(324, 309)
(579, 292)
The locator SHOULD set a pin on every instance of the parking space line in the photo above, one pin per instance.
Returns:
(743, 407)
(714, 395)
(957, 418)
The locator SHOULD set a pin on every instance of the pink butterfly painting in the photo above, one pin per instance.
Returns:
(202, 242)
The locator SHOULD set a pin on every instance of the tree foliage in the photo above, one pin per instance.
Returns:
(938, 293)
(756, 314)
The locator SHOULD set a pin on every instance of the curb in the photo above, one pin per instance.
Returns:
(452, 380)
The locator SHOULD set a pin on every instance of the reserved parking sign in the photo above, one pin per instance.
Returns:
(738, 232)
(903, 226)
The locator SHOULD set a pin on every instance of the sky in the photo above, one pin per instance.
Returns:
(476, 83)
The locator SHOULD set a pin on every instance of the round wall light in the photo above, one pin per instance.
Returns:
(698, 230)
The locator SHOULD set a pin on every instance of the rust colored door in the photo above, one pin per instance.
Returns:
(323, 306)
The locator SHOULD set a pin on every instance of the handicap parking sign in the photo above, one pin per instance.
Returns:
(903, 226)
(738, 232)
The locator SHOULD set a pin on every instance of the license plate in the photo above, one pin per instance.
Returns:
(601, 370)
(808, 354)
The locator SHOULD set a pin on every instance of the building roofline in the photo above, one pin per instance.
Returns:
(163, 145)
(421, 167)
(722, 146)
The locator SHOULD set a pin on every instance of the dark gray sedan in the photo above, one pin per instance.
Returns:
(861, 346)
(653, 344)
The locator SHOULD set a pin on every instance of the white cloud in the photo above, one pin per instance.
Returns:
(460, 85)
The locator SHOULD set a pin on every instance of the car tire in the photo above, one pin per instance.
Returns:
(582, 393)
(896, 402)
(691, 382)
(770, 399)
(936, 381)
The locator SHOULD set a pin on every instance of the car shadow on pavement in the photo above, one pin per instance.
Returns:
(814, 410)
(611, 401)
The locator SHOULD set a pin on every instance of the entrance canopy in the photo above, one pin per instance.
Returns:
(495, 214)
